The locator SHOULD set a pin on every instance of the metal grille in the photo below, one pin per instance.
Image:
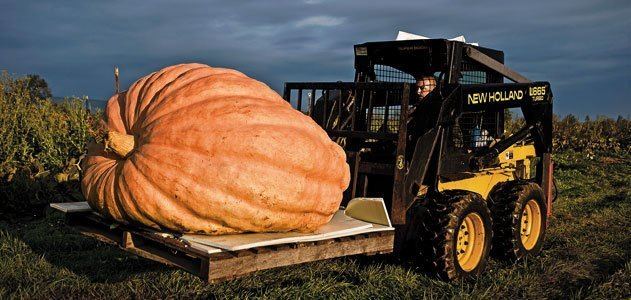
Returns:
(472, 77)
(340, 106)
(379, 115)
(475, 73)
(385, 73)
(476, 130)
(472, 74)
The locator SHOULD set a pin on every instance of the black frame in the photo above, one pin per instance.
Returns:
(399, 163)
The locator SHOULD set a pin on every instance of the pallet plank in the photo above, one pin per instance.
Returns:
(72, 207)
(214, 267)
(239, 266)
(154, 251)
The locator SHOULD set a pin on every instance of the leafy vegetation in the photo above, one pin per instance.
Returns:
(602, 135)
(590, 136)
(41, 143)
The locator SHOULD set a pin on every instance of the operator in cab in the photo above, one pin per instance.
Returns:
(425, 85)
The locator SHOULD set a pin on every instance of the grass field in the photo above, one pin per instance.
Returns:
(587, 255)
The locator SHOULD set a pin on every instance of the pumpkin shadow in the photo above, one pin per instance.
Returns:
(26, 192)
(64, 248)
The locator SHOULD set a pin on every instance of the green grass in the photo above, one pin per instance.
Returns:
(587, 255)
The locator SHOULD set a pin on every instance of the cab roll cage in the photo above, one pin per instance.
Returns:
(388, 132)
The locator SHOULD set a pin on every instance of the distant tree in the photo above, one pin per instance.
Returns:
(36, 86)
(508, 115)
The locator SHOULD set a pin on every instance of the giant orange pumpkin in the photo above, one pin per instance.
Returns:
(210, 150)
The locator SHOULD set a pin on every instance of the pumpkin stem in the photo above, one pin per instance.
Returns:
(122, 144)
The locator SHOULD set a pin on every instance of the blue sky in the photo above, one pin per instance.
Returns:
(583, 47)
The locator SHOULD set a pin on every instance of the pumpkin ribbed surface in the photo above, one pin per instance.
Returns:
(210, 150)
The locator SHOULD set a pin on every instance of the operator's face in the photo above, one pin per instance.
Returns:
(425, 85)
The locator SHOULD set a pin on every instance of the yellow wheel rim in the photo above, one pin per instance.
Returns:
(470, 243)
(530, 224)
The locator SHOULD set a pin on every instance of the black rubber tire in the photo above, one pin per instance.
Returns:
(436, 231)
(507, 201)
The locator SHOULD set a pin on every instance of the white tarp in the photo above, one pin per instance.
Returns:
(404, 36)
(340, 226)
(363, 216)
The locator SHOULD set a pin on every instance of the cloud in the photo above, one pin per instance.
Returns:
(325, 21)
(580, 46)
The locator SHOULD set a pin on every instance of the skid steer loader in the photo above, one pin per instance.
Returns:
(458, 186)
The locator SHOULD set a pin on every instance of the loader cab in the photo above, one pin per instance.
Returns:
(380, 118)
(447, 153)
(403, 61)
(406, 61)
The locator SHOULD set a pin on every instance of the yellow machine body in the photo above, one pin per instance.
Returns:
(514, 163)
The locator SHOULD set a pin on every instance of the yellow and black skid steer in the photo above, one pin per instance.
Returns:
(422, 125)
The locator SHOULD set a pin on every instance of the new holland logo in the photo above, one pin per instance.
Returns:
(499, 96)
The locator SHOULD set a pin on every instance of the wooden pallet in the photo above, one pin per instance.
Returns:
(224, 265)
